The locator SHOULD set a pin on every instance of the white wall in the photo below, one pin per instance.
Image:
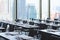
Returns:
(6, 7)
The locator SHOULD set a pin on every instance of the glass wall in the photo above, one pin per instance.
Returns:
(55, 9)
(33, 8)
(6, 9)
(27, 9)
(45, 12)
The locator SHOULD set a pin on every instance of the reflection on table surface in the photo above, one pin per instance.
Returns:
(16, 36)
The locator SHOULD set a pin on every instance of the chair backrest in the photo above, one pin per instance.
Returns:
(55, 19)
(31, 23)
(17, 20)
(56, 22)
(32, 32)
(11, 28)
(4, 26)
(0, 23)
(40, 20)
(24, 21)
(48, 21)
(48, 18)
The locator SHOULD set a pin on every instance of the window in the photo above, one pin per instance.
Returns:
(55, 9)
(44, 9)
(27, 9)
(6, 9)
(33, 8)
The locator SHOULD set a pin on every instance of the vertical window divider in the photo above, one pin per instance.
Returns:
(16, 9)
(49, 8)
(40, 9)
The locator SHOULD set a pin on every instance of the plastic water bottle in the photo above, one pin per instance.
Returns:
(7, 29)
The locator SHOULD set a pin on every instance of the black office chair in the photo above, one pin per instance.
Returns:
(47, 21)
(17, 20)
(34, 33)
(23, 29)
(18, 29)
(40, 20)
(55, 19)
(31, 19)
(31, 23)
(11, 27)
(0, 24)
(48, 18)
(24, 21)
(4, 26)
(56, 22)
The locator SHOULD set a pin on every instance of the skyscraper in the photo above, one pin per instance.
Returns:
(31, 10)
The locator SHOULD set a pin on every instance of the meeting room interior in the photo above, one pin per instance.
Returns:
(29, 19)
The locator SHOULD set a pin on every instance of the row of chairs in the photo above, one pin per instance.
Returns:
(26, 21)
(41, 26)
(32, 32)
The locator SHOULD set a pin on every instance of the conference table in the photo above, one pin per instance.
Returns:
(20, 24)
(52, 25)
(29, 26)
(23, 27)
(50, 34)
(2, 29)
(15, 36)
